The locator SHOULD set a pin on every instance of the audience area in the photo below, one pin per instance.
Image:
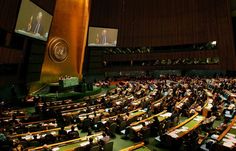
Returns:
(142, 114)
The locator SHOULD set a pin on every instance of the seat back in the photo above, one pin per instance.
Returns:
(108, 146)
(113, 127)
(122, 125)
(81, 148)
(95, 148)
(146, 133)
(99, 125)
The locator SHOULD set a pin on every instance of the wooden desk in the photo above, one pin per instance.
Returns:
(227, 139)
(64, 106)
(131, 148)
(208, 93)
(56, 103)
(137, 147)
(230, 93)
(136, 113)
(37, 122)
(158, 102)
(78, 110)
(133, 113)
(29, 135)
(207, 107)
(186, 126)
(137, 126)
(228, 129)
(70, 144)
(179, 104)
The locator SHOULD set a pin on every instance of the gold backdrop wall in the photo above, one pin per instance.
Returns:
(70, 22)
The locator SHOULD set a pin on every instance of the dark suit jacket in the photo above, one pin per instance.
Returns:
(40, 30)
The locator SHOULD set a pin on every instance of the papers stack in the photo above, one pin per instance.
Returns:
(99, 137)
(230, 135)
(28, 137)
(137, 127)
(147, 122)
(198, 118)
(229, 140)
(228, 144)
(55, 149)
(84, 143)
(166, 114)
(184, 128)
(53, 133)
(214, 136)
(234, 126)
(173, 134)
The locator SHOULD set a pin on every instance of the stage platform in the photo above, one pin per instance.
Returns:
(69, 94)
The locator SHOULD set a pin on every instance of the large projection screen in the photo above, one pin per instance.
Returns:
(33, 21)
(103, 37)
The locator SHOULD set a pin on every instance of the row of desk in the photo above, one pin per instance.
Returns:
(186, 126)
(70, 144)
(29, 135)
(227, 140)
(137, 147)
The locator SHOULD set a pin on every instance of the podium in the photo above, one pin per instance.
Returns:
(69, 82)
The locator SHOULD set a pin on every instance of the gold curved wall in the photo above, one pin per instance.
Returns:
(70, 22)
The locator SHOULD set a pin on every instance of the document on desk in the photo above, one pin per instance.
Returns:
(137, 127)
(166, 115)
(232, 140)
(230, 135)
(228, 144)
(55, 149)
(198, 118)
(84, 143)
(173, 134)
(184, 128)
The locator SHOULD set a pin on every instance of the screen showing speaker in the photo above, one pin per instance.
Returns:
(103, 37)
(33, 21)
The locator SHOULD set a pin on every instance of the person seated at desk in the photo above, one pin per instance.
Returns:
(16, 146)
(35, 142)
(88, 110)
(105, 139)
(95, 118)
(229, 111)
(46, 148)
(142, 134)
(109, 122)
(109, 132)
(208, 123)
(222, 126)
(155, 126)
(126, 117)
(90, 131)
(62, 133)
(73, 134)
(87, 122)
(49, 139)
(119, 119)
(24, 142)
(90, 145)
(2, 136)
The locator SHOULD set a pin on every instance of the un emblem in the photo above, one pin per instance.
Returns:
(58, 50)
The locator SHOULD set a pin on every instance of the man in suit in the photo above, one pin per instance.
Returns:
(37, 26)
(103, 38)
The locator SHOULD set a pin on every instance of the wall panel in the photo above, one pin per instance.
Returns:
(169, 22)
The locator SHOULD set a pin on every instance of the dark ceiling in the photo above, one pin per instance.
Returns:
(233, 4)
